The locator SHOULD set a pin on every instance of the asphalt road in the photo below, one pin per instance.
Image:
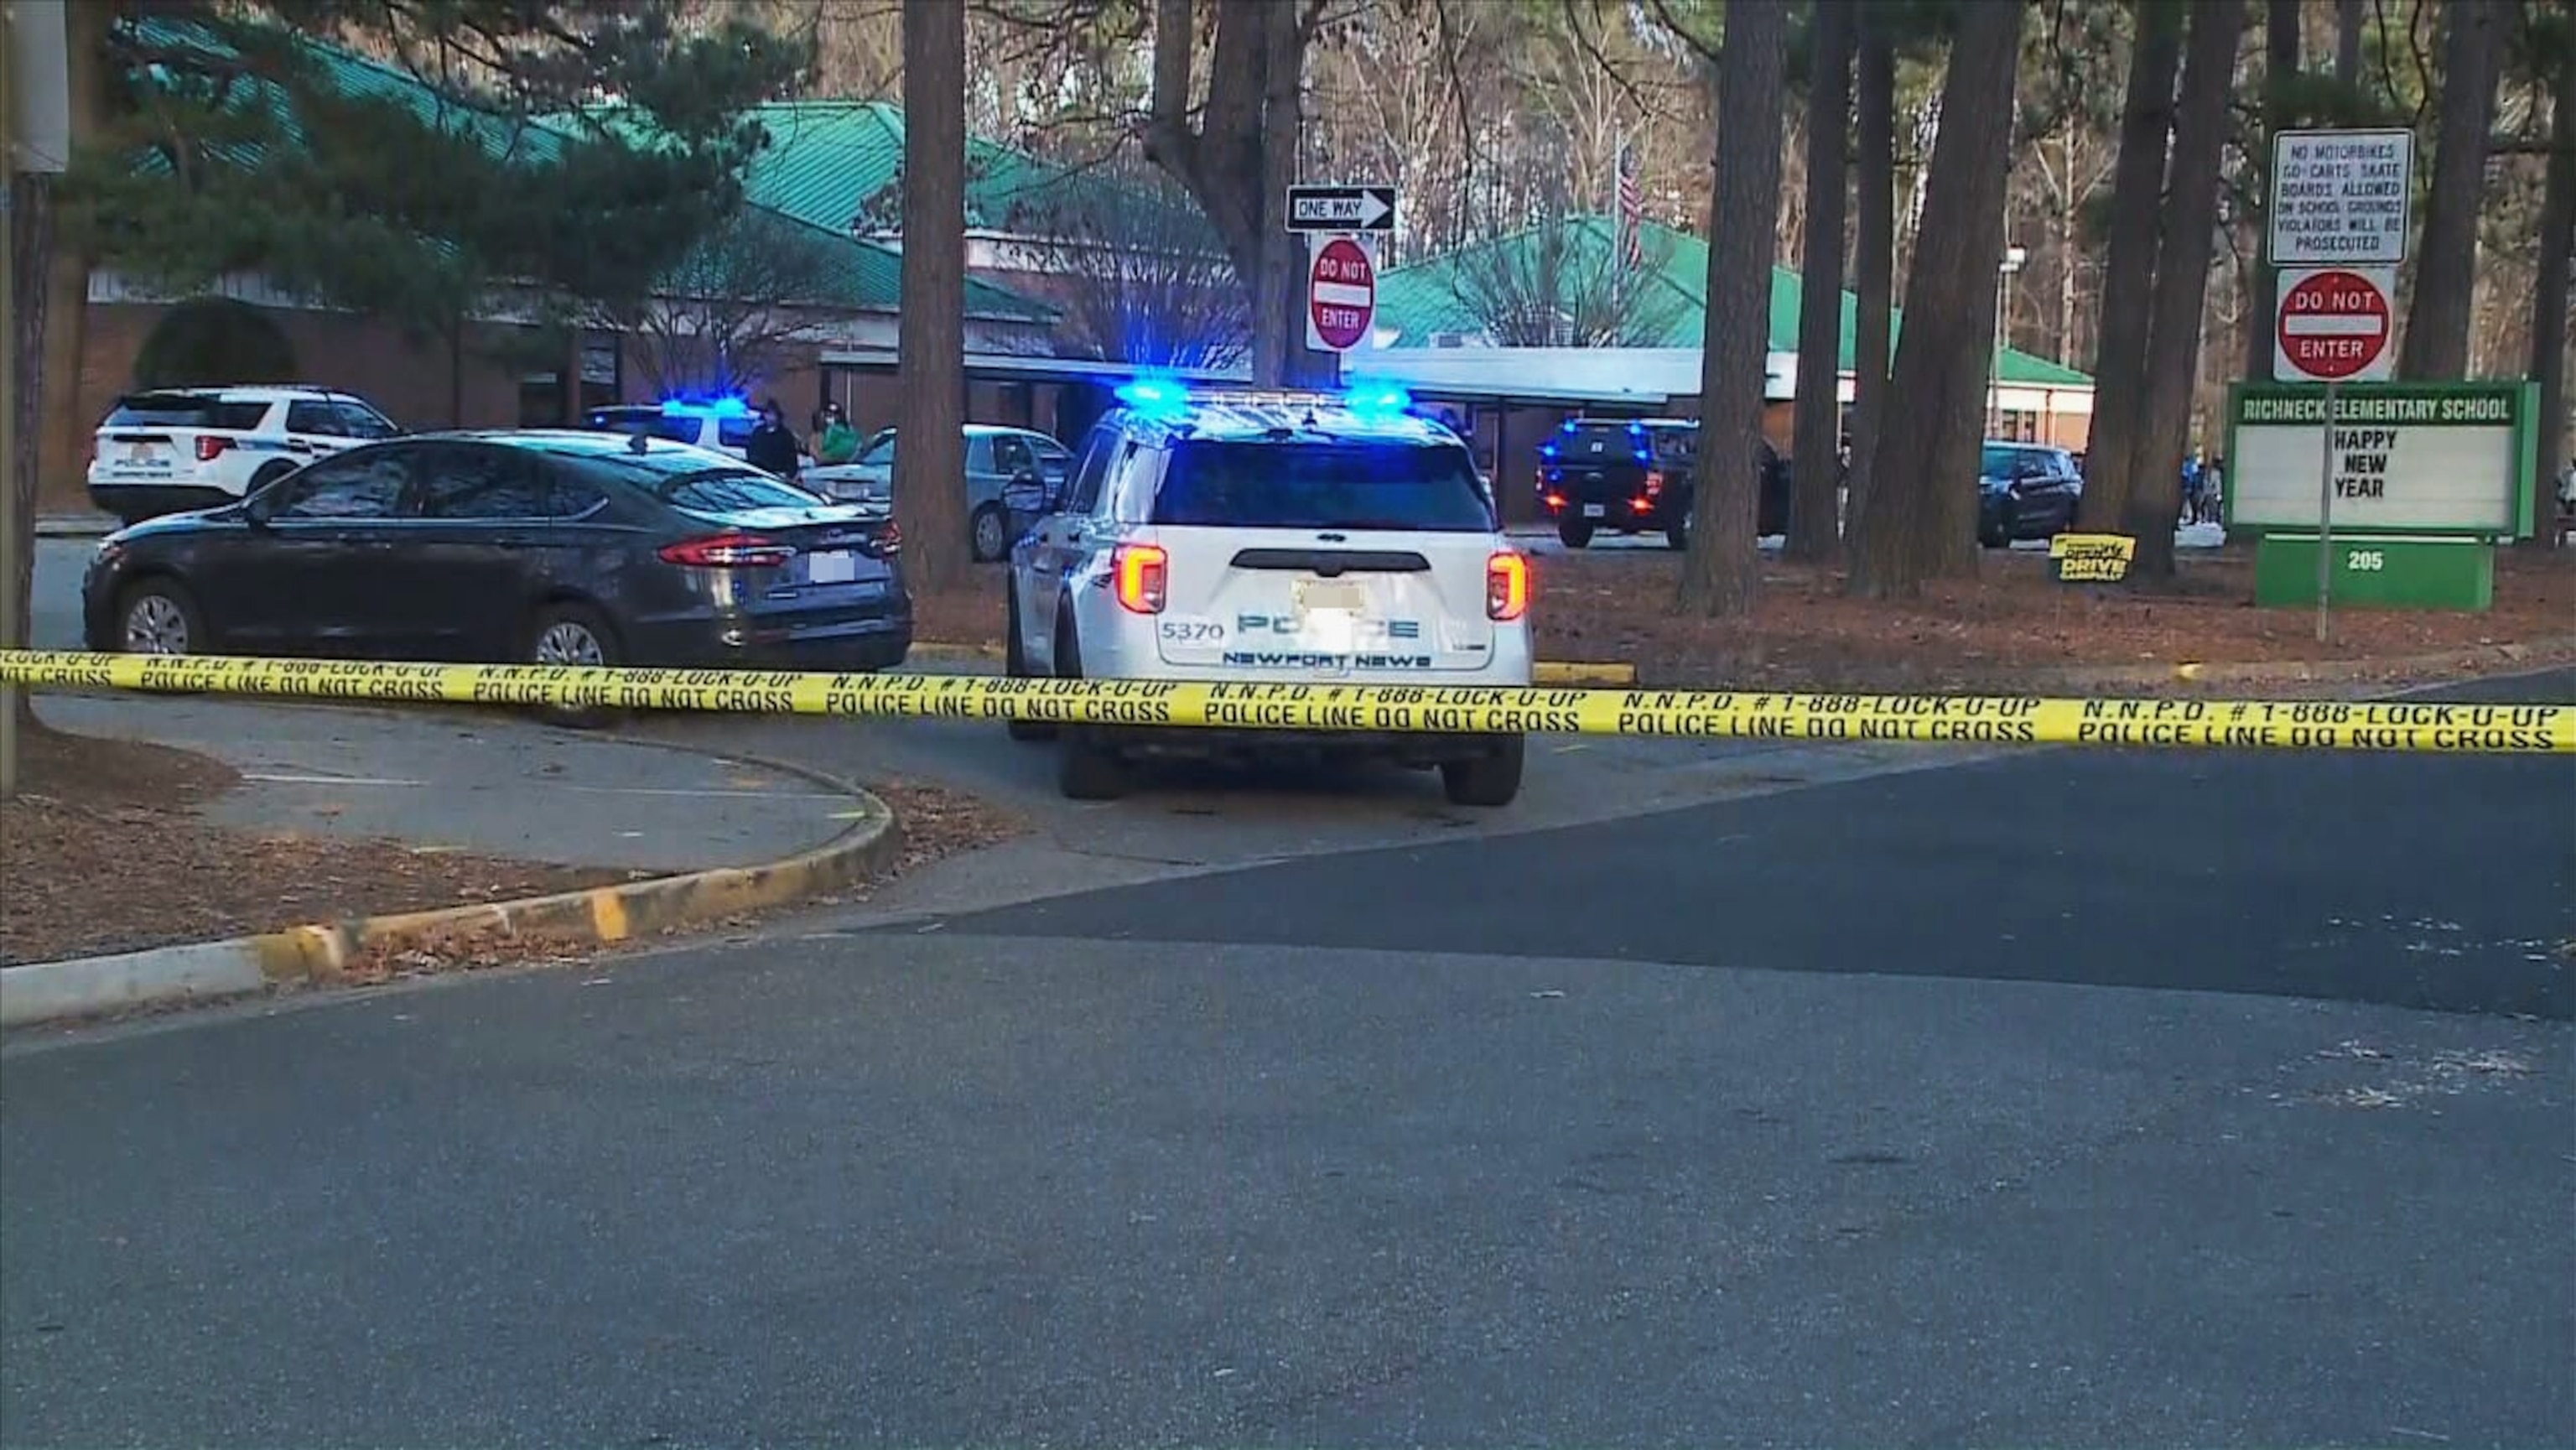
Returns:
(2058, 1099)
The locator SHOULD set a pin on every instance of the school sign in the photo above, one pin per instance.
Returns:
(2420, 482)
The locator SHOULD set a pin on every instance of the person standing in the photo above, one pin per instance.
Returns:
(771, 447)
(835, 441)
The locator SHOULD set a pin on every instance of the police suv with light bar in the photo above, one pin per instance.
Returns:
(1273, 537)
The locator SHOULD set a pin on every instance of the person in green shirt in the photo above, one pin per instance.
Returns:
(838, 442)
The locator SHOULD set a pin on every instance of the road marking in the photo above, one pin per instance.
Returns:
(679, 793)
(329, 780)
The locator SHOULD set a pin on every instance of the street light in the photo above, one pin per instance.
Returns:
(2011, 263)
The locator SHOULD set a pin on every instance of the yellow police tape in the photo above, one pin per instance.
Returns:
(2225, 724)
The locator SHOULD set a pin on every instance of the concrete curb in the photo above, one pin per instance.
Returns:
(2317, 672)
(317, 955)
(76, 526)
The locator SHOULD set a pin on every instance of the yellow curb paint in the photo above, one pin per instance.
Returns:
(608, 915)
(1560, 672)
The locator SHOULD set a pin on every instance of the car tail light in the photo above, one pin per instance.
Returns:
(1556, 501)
(1506, 587)
(1642, 502)
(728, 551)
(1654, 483)
(887, 542)
(1143, 570)
(209, 448)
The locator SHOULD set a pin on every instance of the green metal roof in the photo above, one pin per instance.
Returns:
(869, 276)
(1430, 296)
(840, 164)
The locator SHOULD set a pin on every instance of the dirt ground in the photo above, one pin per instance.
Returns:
(104, 851)
(2012, 627)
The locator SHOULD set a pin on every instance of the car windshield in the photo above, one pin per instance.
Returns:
(880, 451)
(1422, 486)
(185, 410)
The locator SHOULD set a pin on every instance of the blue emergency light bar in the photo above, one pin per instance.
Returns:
(729, 406)
(1166, 396)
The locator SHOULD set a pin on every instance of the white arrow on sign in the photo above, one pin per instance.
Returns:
(1341, 208)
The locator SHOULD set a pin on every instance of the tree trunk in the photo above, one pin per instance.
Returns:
(31, 249)
(1815, 459)
(2182, 284)
(2280, 89)
(1920, 504)
(1873, 259)
(2129, 269)
(930, 503)
(2348, 42)
(2551, 300)
(1722, 572)
(1238, 157)
(62, 477)
(2436, 345)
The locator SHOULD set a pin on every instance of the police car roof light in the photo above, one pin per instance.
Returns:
(728, 406)
(1378, 398)
(1154, 395)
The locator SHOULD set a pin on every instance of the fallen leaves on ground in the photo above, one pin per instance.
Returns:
(2011, 627)
(103, 851)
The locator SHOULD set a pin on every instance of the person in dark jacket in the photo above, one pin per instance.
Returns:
(771, 447)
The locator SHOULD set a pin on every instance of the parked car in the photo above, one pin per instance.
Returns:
(2026, 491)
(1639, 475)
(1010, 475)
(169, 450)
(718, 425)
(540, 547)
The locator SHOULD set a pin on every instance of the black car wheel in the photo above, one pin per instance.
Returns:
(268, 475)
(988, 534)
(1087, 768)
(1491, 779)
(572, 635)
(1015, 664)
(2001, 536)
(1574, 533)
(159, 617)
(1677, 533)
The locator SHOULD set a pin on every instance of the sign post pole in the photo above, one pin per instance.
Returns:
(2325, 513)
(10, 543)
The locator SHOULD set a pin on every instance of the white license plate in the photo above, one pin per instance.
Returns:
(1596, 510)
(138, 452)
(837, 566)
(1318, 595)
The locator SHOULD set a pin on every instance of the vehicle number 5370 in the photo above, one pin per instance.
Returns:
(2365, 561)
(1193, 631)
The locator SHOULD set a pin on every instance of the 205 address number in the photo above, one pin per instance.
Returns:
(2365, 561)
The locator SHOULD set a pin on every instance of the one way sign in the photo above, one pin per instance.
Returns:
(1341, 208)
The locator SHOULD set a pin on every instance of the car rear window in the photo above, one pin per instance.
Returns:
(180, 410)
(1422, 486)
(731, 490)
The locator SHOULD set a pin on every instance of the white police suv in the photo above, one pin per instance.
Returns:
(1306, 538)
(168, 450)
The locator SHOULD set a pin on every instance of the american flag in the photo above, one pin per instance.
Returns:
(1632, 211)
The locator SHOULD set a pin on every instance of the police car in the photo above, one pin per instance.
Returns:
(718, 424)
(1306, 538)
(169, 450)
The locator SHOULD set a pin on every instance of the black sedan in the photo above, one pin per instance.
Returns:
(529, 547)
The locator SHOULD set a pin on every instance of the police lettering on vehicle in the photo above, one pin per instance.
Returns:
(1296, 624)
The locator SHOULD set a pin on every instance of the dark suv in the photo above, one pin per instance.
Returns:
(1635, 475)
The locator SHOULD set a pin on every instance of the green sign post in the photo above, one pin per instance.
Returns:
(2421, 481)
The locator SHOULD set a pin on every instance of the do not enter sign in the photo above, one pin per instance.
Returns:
(2334, 325)
(1341, 295)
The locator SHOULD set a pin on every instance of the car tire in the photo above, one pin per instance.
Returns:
(1015, 665)
(988, 534)
(1677, 533)
(1488, 780)
(571, 634)
(170, 615)
(1087, 767)
(1573, 534)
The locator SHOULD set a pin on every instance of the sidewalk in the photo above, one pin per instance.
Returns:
(325, 813)
(461, 783)
(81, 525)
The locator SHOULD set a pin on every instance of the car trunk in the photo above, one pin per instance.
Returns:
(1597, 473)
(840, 570)
(1286, 603)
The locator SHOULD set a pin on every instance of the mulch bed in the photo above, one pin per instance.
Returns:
(2009, 628)
(103, 851)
